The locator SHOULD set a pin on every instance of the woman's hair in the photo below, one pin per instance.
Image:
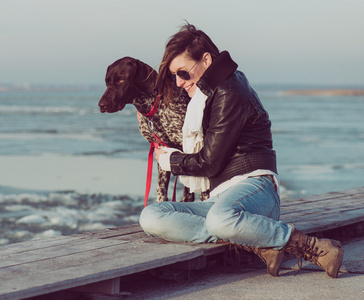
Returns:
(195, 43)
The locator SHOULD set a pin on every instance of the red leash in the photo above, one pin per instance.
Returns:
(154, 108)
(150, 171)
(151, 150)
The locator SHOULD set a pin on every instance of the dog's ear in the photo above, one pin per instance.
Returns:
(106, 75)
(145, 77)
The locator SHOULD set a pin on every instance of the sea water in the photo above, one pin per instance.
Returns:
(67, 168)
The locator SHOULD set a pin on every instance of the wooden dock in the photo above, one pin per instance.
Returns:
(95, 261)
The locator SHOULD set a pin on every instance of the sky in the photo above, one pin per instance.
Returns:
(311, 42)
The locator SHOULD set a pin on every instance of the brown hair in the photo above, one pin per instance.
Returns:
(195, 43)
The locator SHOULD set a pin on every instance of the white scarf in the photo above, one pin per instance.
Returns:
(193, 139)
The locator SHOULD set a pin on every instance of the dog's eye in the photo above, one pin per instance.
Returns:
(120, 81)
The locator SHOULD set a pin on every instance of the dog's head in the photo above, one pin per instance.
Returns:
(126, 79)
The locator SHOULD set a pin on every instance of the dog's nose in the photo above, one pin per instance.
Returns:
(102, 105)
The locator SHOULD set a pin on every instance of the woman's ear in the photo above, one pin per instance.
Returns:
(207, 59)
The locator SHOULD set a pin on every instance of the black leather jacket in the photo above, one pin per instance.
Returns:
(237, 135)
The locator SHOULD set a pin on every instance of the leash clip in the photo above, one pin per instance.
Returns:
(150, 125)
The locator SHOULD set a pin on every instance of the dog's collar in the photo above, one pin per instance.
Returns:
(154, 108)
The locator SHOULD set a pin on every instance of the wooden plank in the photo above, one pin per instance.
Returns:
(329, 205)
(136, 236)
(77, 269)
(56, 251)
(112, 232)
(332, 195)
(26, 246)
(318, 212)
(323, 215)
(210, 249)
(325, 204)
(311, 225)
(355, 196)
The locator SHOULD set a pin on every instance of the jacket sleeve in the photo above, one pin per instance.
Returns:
(227, 119)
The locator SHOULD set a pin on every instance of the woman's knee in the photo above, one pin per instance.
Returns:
(151, 219)
(217, 223)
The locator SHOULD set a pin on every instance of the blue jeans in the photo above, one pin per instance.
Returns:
(245, 214)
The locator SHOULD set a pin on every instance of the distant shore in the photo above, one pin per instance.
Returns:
(330, 92)
(38, 88)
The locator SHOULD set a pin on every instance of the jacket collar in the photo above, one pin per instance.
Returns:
(217, 72)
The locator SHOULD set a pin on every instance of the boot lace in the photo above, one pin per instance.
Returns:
(307, 252)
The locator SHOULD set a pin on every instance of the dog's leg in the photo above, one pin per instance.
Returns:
(187, 196)
(162, 186)
(205, 195)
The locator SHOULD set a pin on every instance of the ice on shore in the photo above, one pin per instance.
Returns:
(32, 219)
(24, 218)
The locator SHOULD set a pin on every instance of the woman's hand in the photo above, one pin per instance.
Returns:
(158, 151)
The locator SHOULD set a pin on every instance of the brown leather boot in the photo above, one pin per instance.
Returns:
(324, 253)
(272, 258)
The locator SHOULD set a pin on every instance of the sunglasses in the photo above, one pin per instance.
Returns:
(185, 75)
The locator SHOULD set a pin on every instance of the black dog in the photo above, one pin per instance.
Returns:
(129, 80)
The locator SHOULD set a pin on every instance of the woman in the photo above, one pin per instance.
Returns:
(227, 148)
